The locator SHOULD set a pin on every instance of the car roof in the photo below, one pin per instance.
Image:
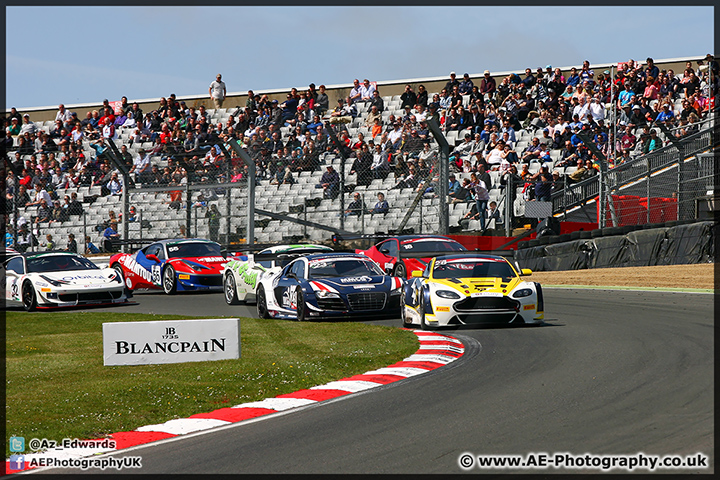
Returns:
(49, 253)
(184, 240)
(320, 256)
(296, 246)
(406, 238)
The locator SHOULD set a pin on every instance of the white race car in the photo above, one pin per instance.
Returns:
(243, 273)
(470, 288)
(59, 279)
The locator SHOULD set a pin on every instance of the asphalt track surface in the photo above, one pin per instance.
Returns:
(610, 372)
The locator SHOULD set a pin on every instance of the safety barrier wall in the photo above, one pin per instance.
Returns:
(677, 245)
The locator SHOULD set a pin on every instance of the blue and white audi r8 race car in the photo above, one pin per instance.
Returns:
(470, 288)
(329, 285)
(59, 279)
(242, 273)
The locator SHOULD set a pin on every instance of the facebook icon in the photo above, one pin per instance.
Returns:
(17, 462)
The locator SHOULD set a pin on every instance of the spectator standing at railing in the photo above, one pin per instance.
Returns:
(543, 184)
(466, 85)
(488, 85)
(322, 102)
(480, 191)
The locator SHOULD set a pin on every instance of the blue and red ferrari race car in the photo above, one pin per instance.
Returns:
(173, 265)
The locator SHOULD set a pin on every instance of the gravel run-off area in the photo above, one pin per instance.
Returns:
(696, 276)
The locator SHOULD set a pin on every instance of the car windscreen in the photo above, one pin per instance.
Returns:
(199, 249)
(350, 267)
(421, 246)
(472, 267)
(58, 263)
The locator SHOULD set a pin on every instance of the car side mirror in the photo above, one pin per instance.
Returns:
(291, 275)
(416, 274)
(152, 257)
(384, 251)
(525, 272)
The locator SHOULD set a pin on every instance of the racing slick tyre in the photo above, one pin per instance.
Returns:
(423, 324)
(403, 314)
(230, 290)
(301, 307)
(169, 282)
(262, 310)
(29, 299)
(400, 270)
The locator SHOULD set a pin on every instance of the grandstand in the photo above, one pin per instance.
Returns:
(161, 214)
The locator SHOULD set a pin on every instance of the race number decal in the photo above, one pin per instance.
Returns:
(14, 291)
(155, 274)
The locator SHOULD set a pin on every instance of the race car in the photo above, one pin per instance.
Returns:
(470, 288)
(398, 255)
(59, 279)
(329, 285)
(178, 265)
(242, 273)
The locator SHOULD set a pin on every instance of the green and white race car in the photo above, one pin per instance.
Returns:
(242, 273)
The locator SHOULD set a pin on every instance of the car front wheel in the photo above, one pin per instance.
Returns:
(262, 310)
(28, 297)
(400, 270)
(403, 315)
(169, 282)
(230, 290)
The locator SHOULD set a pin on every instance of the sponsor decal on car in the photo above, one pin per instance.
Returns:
(130, 263)
(442, 309)
(362, 279)
(242, 269)
(529, 307)
(211, 259)
(69, 278)
(486, 294)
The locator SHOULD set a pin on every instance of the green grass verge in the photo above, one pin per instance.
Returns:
(57, 386)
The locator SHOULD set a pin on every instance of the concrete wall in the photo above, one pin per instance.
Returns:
(334, 92)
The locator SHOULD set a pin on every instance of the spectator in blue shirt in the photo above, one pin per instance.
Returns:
(574, 78)
(110, 234)
(90, 247)
(382, 205)
(453, 185)
(665, 114)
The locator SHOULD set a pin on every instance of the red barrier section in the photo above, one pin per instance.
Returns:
(633, 210)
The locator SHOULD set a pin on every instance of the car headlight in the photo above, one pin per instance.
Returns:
(326, 294)
(523, 292)
(196, 267)
(56, 283)
(447, 294)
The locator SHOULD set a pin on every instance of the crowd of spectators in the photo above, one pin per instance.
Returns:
(490, 113)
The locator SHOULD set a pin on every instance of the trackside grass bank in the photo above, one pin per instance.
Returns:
(57, 386)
